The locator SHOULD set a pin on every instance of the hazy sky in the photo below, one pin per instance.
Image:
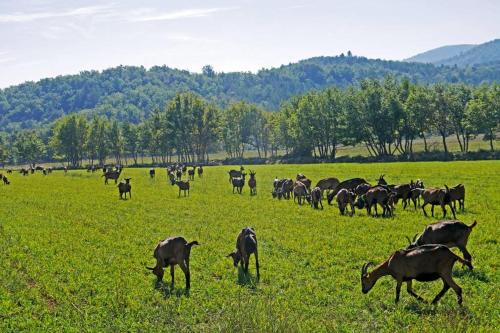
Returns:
(45, 38)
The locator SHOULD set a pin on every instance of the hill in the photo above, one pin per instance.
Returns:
(481, 54)
(440, 53)
(131, 93)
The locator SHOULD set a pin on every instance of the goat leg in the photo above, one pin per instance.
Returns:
(398, 290)
(172, 275)
(441, 293)
(411, 292)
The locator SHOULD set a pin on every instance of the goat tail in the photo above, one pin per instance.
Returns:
(190, 244)
(464, 261)
(473, 224)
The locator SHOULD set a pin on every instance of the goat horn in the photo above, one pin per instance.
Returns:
(409, 241)
(415, 237)
(150, 268)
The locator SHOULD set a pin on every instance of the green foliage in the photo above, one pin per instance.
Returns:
(130, 94)
(81, 266)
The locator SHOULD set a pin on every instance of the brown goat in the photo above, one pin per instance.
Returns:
(382, 196)
(235, 173)
(252, 183)
(349, 184)
(152, 173)
(316, 198)
(457, 193)
(328, 184)
(361, 189)
(304, 180)
(191, 173)
(300, 193)
(415, 195)
(344, 198)
(200, 171)
(183, 186)
(449, 233)
(170, 252)
(437, 196)
(424, 263)
(113, 174)
(246, 244)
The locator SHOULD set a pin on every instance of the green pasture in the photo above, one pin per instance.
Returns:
(73, 255)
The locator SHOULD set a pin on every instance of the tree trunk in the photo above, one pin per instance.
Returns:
(426, 149)
(491, 140)
(445, 146)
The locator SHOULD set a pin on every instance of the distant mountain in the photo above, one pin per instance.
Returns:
(441, 53)
(481, 54)
(461, 55)
(128, 93)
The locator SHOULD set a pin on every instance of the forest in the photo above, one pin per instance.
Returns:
(131, 94)
(385, 116)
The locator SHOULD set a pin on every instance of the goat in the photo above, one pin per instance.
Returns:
(448, 233)
(171, 177)
(287, 188)
(300, 192)
(316, 198)
(328, 184)
(184, 169)
(65, 170)
(191, 173)
(5, 180)
(381, 180)
(277, 183)
(170, 252)
(349, 184)
(415, 195)
(111, 175)
(178, 174)
(235, 173)
(402, 192)
(437, 196)
(344, 198)
(183, 186)
(9, 170)
(381, 196)
(304, 180)
(424, 263)
(124, 187)
(457, 193)
(246, 244)
(361, 189)
(152, 173)
(44, 171)
(200, 171)
(252, 183)
(238, 183)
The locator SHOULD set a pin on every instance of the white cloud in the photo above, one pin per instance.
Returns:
(21, 17)
(177, 15)
(187, 38)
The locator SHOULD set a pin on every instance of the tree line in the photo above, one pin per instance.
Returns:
(386, 116)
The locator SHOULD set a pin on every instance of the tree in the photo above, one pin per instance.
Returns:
(131, 141)
(442, 115)
(115, 140)
(30, 147)
(419, 110)
(69, 138)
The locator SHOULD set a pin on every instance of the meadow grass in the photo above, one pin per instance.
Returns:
(73, 255)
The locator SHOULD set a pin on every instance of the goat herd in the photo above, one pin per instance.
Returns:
(427, 258)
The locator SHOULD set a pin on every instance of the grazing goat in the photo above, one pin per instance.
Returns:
(238, 183)
(457, 193)
(191, 173)
(152, 173)
(402, 192)
(361, 189)
(252, 183)
(424, 263)
(124, 187)
(183, 186)
(200, 171)
(448, 233)
(246, 244)
(316, 198)
(235, 173)
(9, 170)
(349, 184)
(304, 180)
(437, 196)
(65, 170)
(344, 198)
(170, 252)
(328, 184)
(5, 180)
(382, 196)
(381, 180)
(111, 175)
(287, 188)
(300, 193)
(415, 195)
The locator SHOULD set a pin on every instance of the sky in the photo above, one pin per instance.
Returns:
(46, 38)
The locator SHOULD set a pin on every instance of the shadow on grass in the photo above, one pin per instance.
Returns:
(474, 274)
(427, 308)
(168, 291)
(247, 279)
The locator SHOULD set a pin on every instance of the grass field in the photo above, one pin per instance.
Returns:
(73, 255)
